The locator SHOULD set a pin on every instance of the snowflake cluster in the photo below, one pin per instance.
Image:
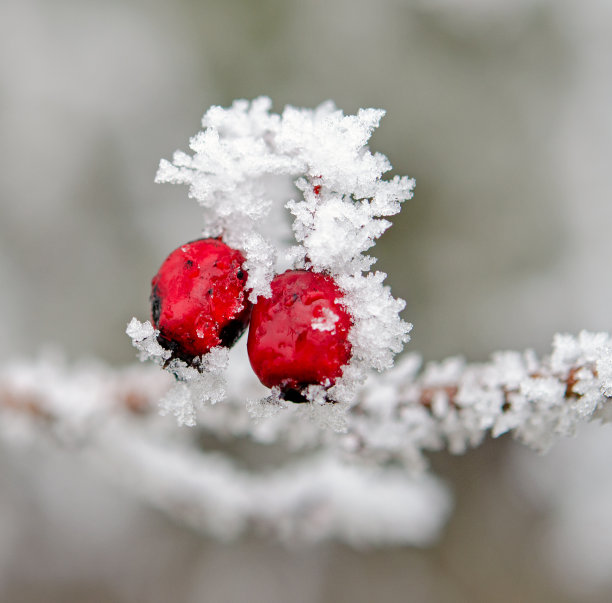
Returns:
(250, 170)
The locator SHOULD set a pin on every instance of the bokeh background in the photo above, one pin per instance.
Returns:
(500, 110)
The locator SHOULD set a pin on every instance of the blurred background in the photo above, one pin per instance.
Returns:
(500, 110)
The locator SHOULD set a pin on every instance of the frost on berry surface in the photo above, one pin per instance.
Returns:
(260, 176)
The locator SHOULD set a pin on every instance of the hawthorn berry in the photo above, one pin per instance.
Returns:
(198, 299)
(299, 335)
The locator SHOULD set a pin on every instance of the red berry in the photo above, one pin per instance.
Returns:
(198, 300)
(299, 335)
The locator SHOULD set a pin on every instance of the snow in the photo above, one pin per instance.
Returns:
(239, 164)
(338, 464)
(195, 387)
(313, 497)
(326, 322)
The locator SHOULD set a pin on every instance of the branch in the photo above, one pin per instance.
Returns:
(325, 484)
(108, 417)
(454, 405)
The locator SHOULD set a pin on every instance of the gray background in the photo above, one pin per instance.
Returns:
(500, 110)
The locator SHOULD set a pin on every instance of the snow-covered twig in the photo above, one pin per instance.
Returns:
(453, 404)
(106, 417)
(323, 484)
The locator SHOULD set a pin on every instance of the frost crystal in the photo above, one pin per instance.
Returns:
(196, 387)
(144, 339)
(247, 167)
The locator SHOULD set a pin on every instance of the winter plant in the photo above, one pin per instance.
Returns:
(291, 204)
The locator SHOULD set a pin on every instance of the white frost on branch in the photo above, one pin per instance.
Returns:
(405, 411)
(454, 404)
(107, 417)
(325, 484)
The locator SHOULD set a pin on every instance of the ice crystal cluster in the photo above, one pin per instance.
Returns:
(249, 170)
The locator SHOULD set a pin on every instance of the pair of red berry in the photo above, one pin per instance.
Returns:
(297, 337)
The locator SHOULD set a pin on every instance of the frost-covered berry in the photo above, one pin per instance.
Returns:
(198, 298)
(299, 336)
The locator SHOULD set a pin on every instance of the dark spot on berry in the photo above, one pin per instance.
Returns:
(188, 263)
(294, 394)
(231, 332)
(295, 297)
(155, 305)
(240, 274)
(177, 351)
(210, 292)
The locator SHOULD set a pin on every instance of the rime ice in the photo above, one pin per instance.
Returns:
(240, 161)
(399, 415)
(144, 338)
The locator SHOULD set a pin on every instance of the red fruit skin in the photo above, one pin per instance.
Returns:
(285, 347)
(198, 298)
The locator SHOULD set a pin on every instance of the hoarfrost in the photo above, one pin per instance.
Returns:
(242, 151)
(196, 387)
(332, 483)
(144, 339)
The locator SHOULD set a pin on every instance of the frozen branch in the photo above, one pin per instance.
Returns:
(110, 419)
(454, 404)
(321, 483)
